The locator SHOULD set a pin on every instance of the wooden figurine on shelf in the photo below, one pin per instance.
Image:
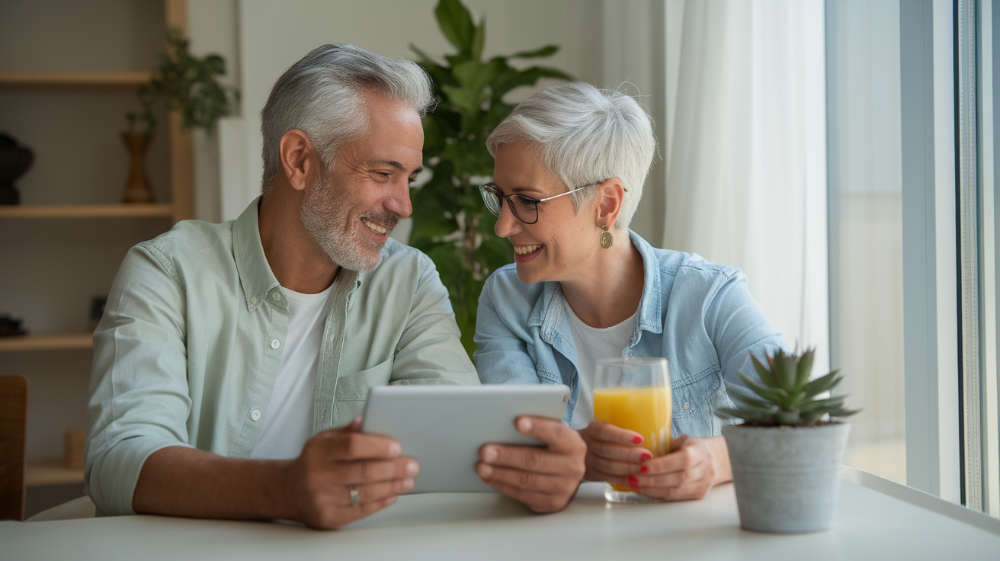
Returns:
(137, 188)
(15, 159)
(184, 83)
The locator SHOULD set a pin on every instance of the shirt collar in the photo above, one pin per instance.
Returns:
(548, 309)
(255, 273)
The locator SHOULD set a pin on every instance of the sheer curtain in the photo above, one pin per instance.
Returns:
(745, 151)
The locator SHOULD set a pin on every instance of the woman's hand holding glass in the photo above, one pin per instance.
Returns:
(616, 455)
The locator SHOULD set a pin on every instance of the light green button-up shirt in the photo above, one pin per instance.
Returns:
(191, 340)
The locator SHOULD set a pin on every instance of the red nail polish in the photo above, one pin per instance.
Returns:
(646, 456)
(643, 469)
(633, 481)
(637, 439)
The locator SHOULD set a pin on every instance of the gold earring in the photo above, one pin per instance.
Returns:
(606, 238)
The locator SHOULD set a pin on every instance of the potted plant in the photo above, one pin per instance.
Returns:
(450, 222)
(182, 82)
(786, 454)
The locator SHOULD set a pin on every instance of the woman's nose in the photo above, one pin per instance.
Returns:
(507, 225)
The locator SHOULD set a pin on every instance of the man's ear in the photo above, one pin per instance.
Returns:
(610, 195)
(298, 158)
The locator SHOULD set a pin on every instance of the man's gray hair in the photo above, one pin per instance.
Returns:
(321, 95)
(585, 135)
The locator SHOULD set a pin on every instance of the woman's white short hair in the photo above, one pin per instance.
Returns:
(585, 135)
(321, 95)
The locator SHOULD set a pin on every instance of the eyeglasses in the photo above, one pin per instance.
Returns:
(523, 208)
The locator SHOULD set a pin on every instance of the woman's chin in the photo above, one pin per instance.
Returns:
(528, 274)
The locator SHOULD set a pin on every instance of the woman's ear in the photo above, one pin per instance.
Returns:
(610, 196)
(297, 158)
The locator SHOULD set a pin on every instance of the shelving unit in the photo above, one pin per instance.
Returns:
(51, 472)
(37, 355)
(52, 342)
(127, 80)
(88, 211)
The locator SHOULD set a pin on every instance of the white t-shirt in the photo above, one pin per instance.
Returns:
(287, 422)
(593, 343)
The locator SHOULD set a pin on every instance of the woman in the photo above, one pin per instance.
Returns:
(569, 166)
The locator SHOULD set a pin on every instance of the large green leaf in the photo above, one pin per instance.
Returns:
(527, 77)
(547, 50)
(456, 24)
(478, 40)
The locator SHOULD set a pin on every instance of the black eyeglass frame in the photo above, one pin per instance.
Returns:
(489, 190)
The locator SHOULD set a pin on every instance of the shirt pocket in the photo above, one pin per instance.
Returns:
(355, 386)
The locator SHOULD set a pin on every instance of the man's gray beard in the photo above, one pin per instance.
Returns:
(323, 218)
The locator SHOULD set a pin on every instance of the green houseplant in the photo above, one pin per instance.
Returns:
(186, 83)
(182, 82)
(450, 222)
(786, 454)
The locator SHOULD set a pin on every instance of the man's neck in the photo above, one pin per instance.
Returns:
(296, 260)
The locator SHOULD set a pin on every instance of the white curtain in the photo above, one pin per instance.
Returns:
(745, 151)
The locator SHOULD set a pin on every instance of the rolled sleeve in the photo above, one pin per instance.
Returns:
(139, 400)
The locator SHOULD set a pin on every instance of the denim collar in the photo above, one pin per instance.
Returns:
(549, 311)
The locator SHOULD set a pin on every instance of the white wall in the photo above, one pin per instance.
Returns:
(212, 28)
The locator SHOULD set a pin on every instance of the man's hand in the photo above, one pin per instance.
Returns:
(688, 472)
(544, 479)
(334, 461)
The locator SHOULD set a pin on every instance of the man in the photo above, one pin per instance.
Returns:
(228, 351)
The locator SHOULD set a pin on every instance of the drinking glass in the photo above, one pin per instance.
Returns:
(634, 394)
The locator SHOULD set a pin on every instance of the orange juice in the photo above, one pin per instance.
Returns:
(644, 410)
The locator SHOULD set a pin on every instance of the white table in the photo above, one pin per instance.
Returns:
(876, 520)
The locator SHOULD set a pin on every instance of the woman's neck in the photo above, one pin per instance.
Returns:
(609, 290)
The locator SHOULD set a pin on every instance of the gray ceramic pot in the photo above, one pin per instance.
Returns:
(787, 478)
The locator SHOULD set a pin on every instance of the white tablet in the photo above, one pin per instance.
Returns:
(443, 427)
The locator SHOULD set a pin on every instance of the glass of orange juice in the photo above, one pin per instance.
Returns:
(634, 394)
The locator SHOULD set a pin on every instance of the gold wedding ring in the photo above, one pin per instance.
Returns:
(353, 490)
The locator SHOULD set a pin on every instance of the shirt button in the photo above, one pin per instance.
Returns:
(275, 297)
(253, 301)
(275, 344)
(686, 405)
(255, 415)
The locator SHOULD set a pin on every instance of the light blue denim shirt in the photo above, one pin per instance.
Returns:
(700, 316)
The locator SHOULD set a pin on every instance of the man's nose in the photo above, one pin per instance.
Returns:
(399, 202)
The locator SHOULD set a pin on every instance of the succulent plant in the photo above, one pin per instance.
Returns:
(784, 394)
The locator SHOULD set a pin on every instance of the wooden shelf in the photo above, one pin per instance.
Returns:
(87, 211)
(51, 342)
(51, 472)
(127, 80)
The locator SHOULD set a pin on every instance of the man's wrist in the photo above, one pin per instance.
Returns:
(280, 500)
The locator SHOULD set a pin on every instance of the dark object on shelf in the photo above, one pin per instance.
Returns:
(15, 159)
(11, 326)
(137, 189)
(97, 310)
